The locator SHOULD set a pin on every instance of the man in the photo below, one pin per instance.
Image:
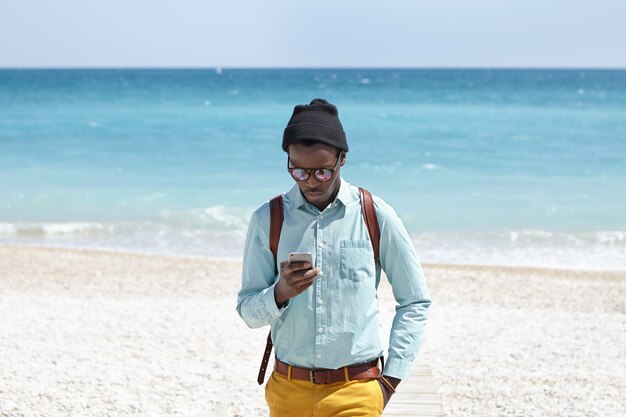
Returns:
(325, 316)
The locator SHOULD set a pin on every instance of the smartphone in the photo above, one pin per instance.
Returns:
(300, 257)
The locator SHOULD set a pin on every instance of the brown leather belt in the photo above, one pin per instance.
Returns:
(328, 376)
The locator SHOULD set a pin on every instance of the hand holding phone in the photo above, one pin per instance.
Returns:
(300, 257)
(296, 275)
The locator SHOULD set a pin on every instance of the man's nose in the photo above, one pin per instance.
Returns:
(312, 181)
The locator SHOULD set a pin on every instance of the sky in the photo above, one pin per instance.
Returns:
(311, 34)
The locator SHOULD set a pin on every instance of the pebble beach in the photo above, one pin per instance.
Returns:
(96, 333)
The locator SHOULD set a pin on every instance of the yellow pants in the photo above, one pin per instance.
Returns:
(297, 398)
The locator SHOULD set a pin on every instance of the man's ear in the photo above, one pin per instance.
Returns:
(343, 159)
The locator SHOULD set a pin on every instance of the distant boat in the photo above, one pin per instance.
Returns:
(218, 70)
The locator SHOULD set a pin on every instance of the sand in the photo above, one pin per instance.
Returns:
(90, 333)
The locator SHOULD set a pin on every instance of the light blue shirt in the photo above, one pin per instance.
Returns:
(335, 322)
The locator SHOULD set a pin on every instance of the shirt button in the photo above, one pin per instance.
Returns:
(321, 273)
(321, 217)
(320, 301)
(319, 355)
(320, 330)
(321, 244)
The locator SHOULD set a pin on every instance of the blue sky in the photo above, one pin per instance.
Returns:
(320, 33)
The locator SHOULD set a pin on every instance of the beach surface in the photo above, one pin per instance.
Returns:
(94, 333)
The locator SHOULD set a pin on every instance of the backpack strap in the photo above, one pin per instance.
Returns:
(369, 215)
(266, 359)
(276, 225)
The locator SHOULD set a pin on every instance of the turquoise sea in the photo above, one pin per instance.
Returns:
(522, 167)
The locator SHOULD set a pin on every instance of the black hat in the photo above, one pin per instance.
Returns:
(317, 121)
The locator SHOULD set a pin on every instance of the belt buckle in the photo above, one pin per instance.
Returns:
(312, 376)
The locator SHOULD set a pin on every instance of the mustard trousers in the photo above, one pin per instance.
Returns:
(297, 398)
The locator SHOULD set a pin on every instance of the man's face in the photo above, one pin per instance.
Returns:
(318, 193)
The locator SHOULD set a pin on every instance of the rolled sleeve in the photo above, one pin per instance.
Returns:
(269, 303)
(398, 367)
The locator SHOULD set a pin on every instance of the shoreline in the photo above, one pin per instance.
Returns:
(476, 267)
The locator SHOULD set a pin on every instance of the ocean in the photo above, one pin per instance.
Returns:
(515, 167)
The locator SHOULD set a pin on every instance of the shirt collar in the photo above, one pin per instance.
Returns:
(345, 195)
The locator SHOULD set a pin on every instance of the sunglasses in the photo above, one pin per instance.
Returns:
(320, 174)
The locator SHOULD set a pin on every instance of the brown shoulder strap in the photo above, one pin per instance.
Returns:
(369, 215)
(266, 359)
(276, 225)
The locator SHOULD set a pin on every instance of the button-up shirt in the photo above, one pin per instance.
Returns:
(335, 322)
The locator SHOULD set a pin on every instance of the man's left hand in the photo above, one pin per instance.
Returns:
(387, 392)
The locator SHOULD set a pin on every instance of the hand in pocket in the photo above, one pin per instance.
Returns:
(386, 394)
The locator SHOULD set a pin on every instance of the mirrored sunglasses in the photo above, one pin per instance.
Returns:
(320, 174)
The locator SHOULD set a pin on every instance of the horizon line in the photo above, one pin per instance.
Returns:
(513, 68)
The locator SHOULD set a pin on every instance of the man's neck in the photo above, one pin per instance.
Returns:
(322, 206)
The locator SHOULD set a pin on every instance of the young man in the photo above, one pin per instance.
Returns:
(324, 317)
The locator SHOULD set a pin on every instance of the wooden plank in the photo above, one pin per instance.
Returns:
(418, 396)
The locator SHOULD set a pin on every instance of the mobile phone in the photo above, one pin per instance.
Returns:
(300, 257)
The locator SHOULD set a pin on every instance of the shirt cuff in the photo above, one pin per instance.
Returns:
(269, 301)
(397, 368)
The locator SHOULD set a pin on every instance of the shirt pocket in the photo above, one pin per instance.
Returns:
(357, 259)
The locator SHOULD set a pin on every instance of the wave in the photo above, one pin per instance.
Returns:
(216, 231)
(217, 217)
(592, 250)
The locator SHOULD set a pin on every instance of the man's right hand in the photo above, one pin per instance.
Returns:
(295, 277)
